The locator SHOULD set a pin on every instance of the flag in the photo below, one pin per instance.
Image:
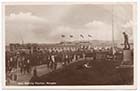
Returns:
(71, 36)
(62, 36)
(89, 36)
(81, 36)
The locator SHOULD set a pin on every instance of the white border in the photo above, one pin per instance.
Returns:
(3, 44)
(68, 87)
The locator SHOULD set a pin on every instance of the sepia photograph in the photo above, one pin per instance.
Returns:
(69, 44)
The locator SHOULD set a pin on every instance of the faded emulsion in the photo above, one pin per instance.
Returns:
(69, 45)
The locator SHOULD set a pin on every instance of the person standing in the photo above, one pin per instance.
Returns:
(52, 61)
(126, 43)
(28, 66)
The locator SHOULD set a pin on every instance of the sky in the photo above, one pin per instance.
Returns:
(46, 23)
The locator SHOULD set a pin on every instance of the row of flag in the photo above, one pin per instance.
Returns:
(71, 36)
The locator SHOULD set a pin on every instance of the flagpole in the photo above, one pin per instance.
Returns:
(22, 41)
(71, 38)
(62, 38)
(89, 37)
(113, 28)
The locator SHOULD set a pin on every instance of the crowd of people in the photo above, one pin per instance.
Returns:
(25, 61)
(50, 57)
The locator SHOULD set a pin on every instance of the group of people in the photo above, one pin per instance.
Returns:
(17, 60)
(25, 62)
(50, 56)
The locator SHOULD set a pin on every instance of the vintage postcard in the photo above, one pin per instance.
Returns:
(69, 45)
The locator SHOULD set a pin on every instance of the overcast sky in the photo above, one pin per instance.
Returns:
(46, 23)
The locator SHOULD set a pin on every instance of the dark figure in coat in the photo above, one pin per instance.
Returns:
(126, 43)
